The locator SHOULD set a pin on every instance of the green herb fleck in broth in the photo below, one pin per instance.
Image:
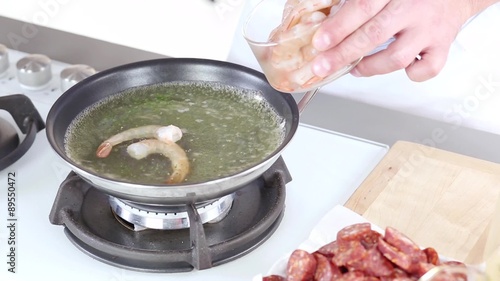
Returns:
(225, 130)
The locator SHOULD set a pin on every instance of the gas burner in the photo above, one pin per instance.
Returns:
(140, 216)
(29, 122)
(255, 211)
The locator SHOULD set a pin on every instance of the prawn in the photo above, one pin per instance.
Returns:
(169, 149)
(303, 76)
(295, 11)
(293, 50)
(162, 133)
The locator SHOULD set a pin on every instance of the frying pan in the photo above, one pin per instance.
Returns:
(112, 81)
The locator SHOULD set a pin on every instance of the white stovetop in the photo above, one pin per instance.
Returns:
(326, 168)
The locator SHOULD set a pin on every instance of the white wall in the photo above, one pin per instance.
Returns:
(177, 28)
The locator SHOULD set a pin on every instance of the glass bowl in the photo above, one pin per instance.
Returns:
(281, 43)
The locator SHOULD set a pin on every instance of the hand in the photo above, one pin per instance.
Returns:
(424, 31)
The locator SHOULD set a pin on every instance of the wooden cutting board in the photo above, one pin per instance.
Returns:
(438, 198)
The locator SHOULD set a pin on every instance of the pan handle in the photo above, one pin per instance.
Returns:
(27, 119)
(304, 101)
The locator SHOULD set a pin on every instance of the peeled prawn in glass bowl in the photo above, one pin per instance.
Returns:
(280, 33)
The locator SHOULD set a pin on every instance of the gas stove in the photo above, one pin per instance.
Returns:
(60, 227)
(164, 238)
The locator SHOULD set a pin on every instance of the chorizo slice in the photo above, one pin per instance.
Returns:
(370, 240)
(352, 276)
(354, 232)
(329, 250)
(273, 278)
(404, 244)
(353, 253)
(432, 255)
(403, 260)
(457, 276)
(394, 255)
(421, 268)
(377, 265)
(397, 274)
(325, 269)
(370, 278)
(454, 263)
(445, 276)
(301, 266)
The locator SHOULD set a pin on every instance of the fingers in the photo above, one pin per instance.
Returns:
(402, 54)
(430, 64)
(419, 68)
(398, 55)
(352, 15)
(361, 40)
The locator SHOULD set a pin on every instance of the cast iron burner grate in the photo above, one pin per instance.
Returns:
(89, 223)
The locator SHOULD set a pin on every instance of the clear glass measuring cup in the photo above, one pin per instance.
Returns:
(286, 59)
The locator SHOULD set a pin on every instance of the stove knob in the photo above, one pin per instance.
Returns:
(34, 71)
(4, 60)
(74, 74)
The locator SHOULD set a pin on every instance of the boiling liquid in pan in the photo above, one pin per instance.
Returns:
(225, 130)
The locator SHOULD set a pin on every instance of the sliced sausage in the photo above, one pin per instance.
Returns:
(273, 278)
(352, 276)
(325, 269)
(377, 265)
(301, 266)
(432, 255)
(353, 232)
(394, 255)
(329, 250)
(370, 240)
(404, 244)
(354, 252)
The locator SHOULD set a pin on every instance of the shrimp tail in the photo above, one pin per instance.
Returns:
(104, 150)
(175, 177)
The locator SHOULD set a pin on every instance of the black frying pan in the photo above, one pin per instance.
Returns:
(112, 81)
